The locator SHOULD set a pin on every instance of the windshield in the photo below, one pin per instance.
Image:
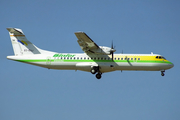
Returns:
(160, 57)
(163, 57)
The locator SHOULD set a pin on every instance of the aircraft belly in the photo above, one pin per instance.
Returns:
(142, 66)
(55, 65)
(107, 66)
(85, 66)
(63, 65)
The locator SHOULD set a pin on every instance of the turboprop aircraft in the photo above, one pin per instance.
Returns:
(95, 59)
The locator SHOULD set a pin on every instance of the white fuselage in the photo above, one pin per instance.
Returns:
(84, 62)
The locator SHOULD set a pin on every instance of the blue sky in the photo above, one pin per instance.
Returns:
(29, 92)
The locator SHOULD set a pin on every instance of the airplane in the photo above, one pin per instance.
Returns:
(95, 59)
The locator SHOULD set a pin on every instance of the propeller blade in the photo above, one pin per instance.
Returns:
(112, 45)
(112, 56)
(112, 50)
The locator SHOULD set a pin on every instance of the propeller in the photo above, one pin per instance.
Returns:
(112, 50)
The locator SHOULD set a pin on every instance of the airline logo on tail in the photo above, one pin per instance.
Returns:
(22, 42)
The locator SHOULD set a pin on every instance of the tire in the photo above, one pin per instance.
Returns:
(93, 71)
(98, 76)
(162, 74)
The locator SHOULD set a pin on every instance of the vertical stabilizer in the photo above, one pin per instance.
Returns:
(21, 45)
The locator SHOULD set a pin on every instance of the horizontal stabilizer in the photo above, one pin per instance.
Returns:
(15, 31)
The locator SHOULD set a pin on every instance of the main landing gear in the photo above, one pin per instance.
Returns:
(162, 73)
(95, 70)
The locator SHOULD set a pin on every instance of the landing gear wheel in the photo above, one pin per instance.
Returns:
(93, 71)
(162, 73)
(98, 76)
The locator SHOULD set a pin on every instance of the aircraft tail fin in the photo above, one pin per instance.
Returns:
(21, 45)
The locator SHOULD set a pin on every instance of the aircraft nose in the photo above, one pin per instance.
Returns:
(172, 65)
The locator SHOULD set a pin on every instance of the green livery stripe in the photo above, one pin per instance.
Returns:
(118, 61)
(32, 60)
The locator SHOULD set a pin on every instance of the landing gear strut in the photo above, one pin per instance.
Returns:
(162, 73)
(95, 70)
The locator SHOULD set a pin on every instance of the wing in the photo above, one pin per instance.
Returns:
(86, 43)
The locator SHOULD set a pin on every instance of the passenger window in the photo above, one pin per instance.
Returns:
(84, 58)
(77, 58)
(125, 58)
(156, 56)
(118, 58)
(128, 58)
(131, 58)
(134, 58)
(121, 58)
(138, 58)
(160, 57)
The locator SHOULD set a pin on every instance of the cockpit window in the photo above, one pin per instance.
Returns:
(160, 57)
(163, 57)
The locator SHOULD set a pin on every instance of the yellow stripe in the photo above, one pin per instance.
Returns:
(24, 42)
(139, 56)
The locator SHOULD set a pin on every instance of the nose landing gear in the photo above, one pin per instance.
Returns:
(162, 73)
